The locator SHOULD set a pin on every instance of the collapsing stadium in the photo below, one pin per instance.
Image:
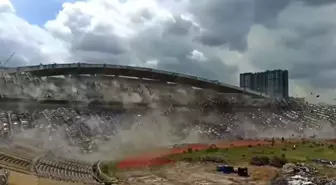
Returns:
(95, 112)
(33, 97)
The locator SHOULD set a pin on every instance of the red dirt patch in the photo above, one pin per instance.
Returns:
(160, 158)
(332, 141)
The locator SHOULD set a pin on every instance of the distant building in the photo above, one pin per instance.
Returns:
(273, 83)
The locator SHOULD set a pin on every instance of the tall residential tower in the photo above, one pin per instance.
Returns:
(273, 83)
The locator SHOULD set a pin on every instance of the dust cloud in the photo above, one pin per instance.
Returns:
(136, 133)
(133, 134)
(150, 130)
(321, 130)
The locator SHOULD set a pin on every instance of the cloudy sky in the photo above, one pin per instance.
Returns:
(215, 39)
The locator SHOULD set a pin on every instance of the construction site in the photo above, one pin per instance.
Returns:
(107, 124)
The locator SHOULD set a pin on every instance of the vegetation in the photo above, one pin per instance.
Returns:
(276, 154)
(303, 151)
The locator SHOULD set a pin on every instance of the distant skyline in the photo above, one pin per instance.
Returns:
(276, 86)
(215, 39)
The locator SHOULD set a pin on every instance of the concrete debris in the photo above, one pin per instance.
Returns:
(300, 174)
(288, 168)
(299, 180)
(331, 164)
(4, 174)
(205, 113)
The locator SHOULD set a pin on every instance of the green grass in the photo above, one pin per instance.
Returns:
(304, 152)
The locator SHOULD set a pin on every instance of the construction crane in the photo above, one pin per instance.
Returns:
(2, 64)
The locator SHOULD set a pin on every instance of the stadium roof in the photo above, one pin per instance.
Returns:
(140, 72)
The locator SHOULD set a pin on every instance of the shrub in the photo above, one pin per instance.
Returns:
(212, 148)
(265, 160)
(259, 160)
(188, 159)
(277, 162)
(214, 159)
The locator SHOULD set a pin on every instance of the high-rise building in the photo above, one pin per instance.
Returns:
(273, 83)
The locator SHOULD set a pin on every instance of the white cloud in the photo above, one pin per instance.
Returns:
(121, 19)
(6, 6)
(197, 55)
(303, 42)
(170, 35)
(152, 63)
(32, 44)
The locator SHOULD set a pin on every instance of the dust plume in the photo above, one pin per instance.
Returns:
(321, 130)
(135, 133)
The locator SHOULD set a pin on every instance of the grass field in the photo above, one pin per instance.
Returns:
(294, 152)
(298, 151)
(291, 151)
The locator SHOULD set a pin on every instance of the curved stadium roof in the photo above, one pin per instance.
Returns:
(140, 72)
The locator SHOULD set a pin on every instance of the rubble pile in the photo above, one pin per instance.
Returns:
(331, 164)
(300, 174)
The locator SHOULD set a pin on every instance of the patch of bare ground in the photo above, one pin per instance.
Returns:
(262, 175)
(16, 178)
(42, 181)
(183, 173)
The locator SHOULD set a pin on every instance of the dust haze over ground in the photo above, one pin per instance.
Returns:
(139, 133)
(324, 130)
(152, 128)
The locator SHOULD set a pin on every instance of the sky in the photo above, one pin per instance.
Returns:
(214, 39)
(39, 12)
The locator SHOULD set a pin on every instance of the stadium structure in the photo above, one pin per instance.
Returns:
(96, 73)
(85, 104)
(128, 71)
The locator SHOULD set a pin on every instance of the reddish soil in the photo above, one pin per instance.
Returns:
(160, 157)
(332, 141)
